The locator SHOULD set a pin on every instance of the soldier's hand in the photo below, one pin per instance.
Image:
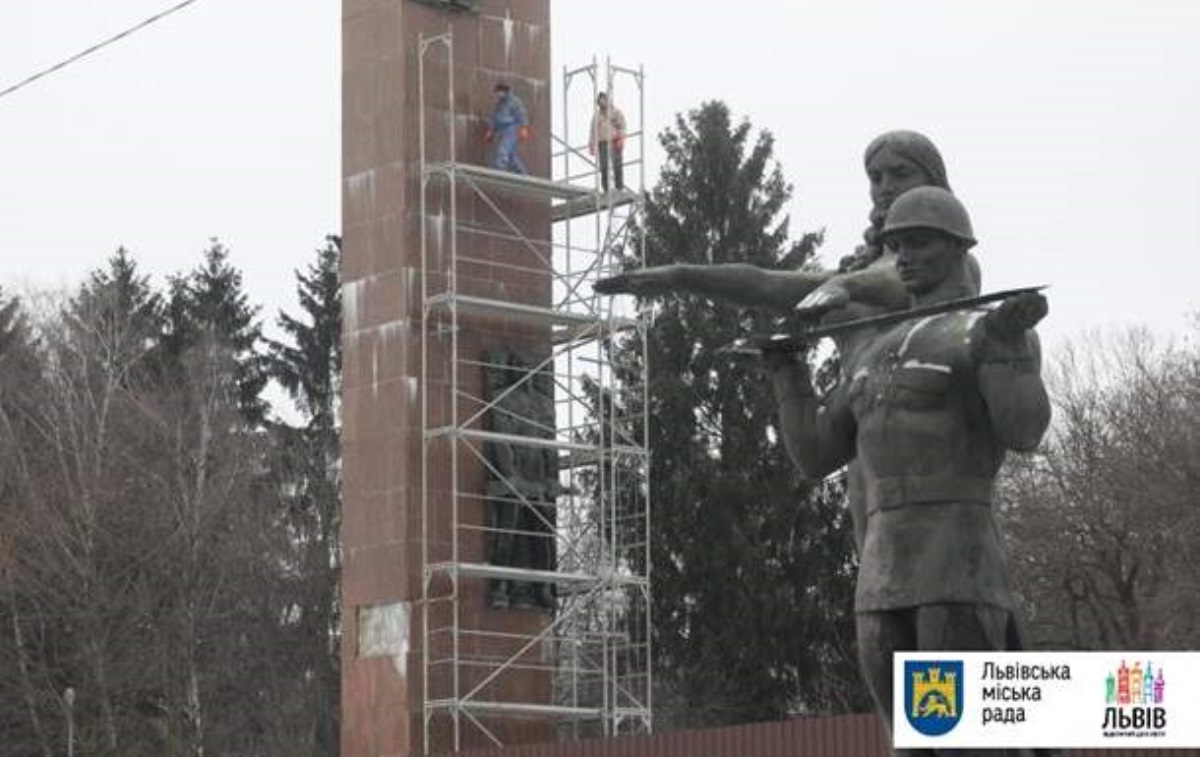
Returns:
(1016, 315)
(788, 371)
(1003, 334)
(619, 284)
(641, 282)
(821, 300)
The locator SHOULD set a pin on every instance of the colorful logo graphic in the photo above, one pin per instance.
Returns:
(1135, 686)
(933, 695)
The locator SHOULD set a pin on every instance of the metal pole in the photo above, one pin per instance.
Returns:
(425, 336)
(604, 621)
(647, 504)
(456, 683)
(573, 697)
(69, 702)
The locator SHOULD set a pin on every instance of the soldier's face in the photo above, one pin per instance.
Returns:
(924, 257)
(892, 175)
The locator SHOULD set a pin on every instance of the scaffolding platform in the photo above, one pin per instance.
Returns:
(487, 570)
(565, 325)
(595, 202)
(475, 434)
(513, 183)
(518, 710)
(575, 200)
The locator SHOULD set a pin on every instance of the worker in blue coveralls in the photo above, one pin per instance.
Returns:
(509, 125)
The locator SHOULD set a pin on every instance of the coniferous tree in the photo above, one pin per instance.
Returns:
(752, 565)
(117, 315)
(209, 309)
(22, 725)
(308, 365)
(12, 324)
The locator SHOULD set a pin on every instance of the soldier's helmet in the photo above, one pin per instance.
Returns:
(930, 208)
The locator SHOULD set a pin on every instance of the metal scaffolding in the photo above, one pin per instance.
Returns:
(513, 257)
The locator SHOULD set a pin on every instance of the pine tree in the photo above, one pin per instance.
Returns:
(117, 316)
(752, 565)
(12, 322)
(209, 310)
(309, 368)
(308, 365)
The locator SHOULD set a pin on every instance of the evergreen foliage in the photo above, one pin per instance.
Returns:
(117, 316)
(308, 477)
(752, 566)
(208, 310)
(12, 323)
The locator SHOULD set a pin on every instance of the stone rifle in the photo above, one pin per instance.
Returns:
(757, 344)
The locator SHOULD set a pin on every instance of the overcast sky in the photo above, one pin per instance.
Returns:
(1071, 129)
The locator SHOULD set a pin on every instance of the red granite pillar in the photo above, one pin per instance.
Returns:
(381, 410)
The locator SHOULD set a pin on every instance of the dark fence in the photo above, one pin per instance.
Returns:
(831, 736)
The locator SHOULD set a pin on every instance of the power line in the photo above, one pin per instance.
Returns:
(99, 45)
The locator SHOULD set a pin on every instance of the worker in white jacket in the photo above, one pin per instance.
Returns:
(608, 139)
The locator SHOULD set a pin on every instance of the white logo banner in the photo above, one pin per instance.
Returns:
(972, 700)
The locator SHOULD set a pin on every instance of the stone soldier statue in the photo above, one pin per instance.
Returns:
(865, 284)
(927, 409)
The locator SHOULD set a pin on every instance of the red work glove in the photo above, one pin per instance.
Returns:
(525, 134)
(592, 148)
(488, 135)
(619, 142)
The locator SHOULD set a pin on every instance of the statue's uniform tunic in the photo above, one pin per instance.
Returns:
(932, 571)
(928, 459)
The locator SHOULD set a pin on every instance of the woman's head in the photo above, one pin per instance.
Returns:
(898, 161)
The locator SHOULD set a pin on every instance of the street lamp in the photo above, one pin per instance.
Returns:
(69, 701)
